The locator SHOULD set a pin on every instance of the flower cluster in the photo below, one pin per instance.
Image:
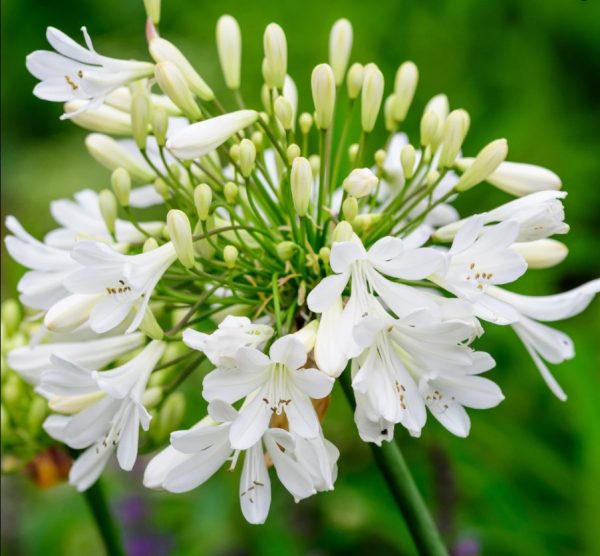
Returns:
(284, 253)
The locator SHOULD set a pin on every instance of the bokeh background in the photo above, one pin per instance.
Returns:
(526, 481)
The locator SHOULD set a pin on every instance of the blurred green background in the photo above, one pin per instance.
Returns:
(526, 481)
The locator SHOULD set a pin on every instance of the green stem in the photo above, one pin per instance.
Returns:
(111, 536)
(403, 489)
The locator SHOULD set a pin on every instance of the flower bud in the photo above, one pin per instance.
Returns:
(325, 254)
(488, 159)
(454, 132)
(173, 83)
(360, 182)
(247, 157)
(430, 128)
(364, 222)
(230, 192)
(353, 152)
(407, 160)
(108, 209)
(293, 151)
(149, 245)
(164, 51)
(203, 200)
(152, 8)
(150, 326)
(439, 104)
(11, 315)
(70, 312)
(160, 124)
(354, 81)
(121, 184)
(203, 137)
(350, 209)
(112, 155)
(229, 46)
(388, 113)
(230, 255)
(104, 119)
(405, 85)
(153, 395)
(379, 157)
(315, 164)
(180, 233)
(342, 232)
(301, 181)
(140, 118)
(432, 177)
(258, 139)
(305, 121)
(275, 46)
(162, 188)
(308, 335)
(340, 46)
(372, 95)
(323, 93)
(284, 112)
(286, 250)
(542, 253)
(265, 92)
(234, 153)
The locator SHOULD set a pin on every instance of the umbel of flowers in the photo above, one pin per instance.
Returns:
(282, 255)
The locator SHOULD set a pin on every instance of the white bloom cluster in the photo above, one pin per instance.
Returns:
(302, 259)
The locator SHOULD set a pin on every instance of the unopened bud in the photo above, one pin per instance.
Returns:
(162, 188)
(360, 182)
(542, 253)
(455, 130)
(164, 51)
(36, 415)
(354, 81)
(379, 157)
(286, 250)
(323, 93)
(372, 95)
(325, 254)
(342, 232)
(230, 191)
(265, 92)
(308, 335)
(160, 124)
(152, 8)
(121, 184)
(153, 395)
(315, 164)
(140, 118)
(150, 326)
(350, 209)
(432, 177)
(293, 151)
(284, 112)
(407, 160)
(108, 208)
(305, 121)
(247, 157)
(353, 152)
(275, 46)
(230, 255)
(173, 83)
(234, 153)
(388, 113)
(229, 46)
(440, 105)
(203, 200)
(301, 182)
(104, 119)
(488, 159)
(150, 245)
(430, 129)
(340, 46)
(11, 316)
(180, 233)
(258, 139)
(364, 222)
(405, 85)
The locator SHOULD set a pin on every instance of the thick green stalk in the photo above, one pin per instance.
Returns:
(111, 536)
(404, 490)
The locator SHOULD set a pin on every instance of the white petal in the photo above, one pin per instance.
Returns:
(288, 351)
(343, 254)
(315, 384)
(325, 293)
(251, 423)
(231, 385)
(88, 467)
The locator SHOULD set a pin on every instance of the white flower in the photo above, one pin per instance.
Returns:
(74, 72)
(274, 384)
(302, 466)
(108, 286)
(481, 257)
(108, 411)
(232, 333)
(360, 182)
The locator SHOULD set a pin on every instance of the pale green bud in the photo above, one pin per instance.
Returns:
(455, 130)
(38, 410)
(407, 160)
(379, 157)
(112, 155)
(230, 191)
(203, 200)
(229, 46)
(162, 188)
(431, 128)
(364, 222)
(301, 181)
(353, 152)
(160, 124)
(372, 95)
(108, 208)
(234, 153)
(315, 163)
(432, 177)
(153, 395)
(325, 254)
(307, 335)
(354, 81)
(140, 118)
(104, 119)
(258, 139)
(269, 84)
(180, 233)
(360, 182)
(275, 46)
(11, 316)
(247, 157)
(152, 8)
(284, 112)
(12, 391)
(323, 93)
(121, 184)
(305, 121)
(388, 113)
(340, 46)
(293, 152)
(230, 255)
(542, 253)
(164, 51)
(485, 163)
(150, 245)
(342, 232)
(150, 326)
(405, 85)
(173, 83)
(286, 250)
(440, 105)
(350, 209)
